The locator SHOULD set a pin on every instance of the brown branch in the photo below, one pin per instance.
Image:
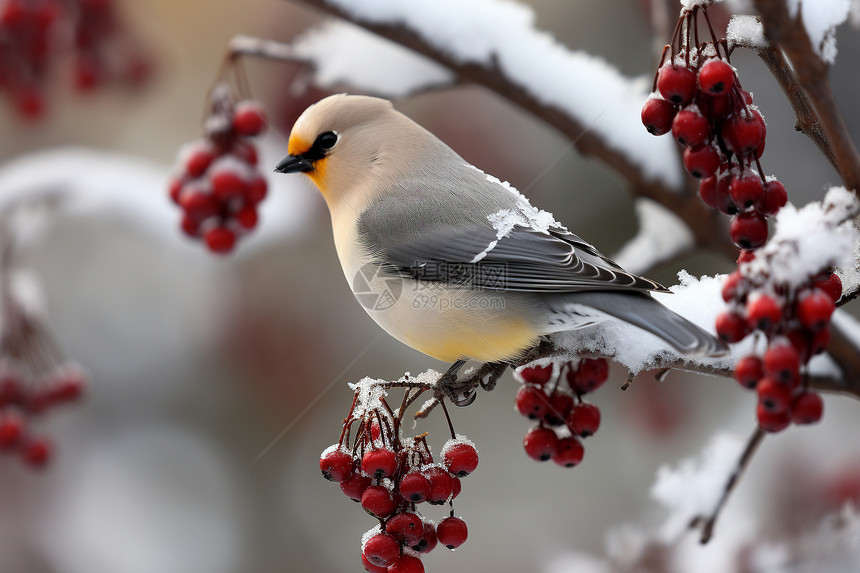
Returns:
(807, 120)
(789, 34)
(708, 523)
(707, 225)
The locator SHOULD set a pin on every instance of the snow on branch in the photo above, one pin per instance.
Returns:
(662, 235)
(494, 44)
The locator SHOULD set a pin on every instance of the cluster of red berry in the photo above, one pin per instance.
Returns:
(218, 184)
(390, 475)
(20, 401)
(698, 97)
(702, 103)
(34, 35)
(795, 323)
(34, 378)
(561, 414)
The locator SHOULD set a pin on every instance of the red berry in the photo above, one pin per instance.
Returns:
(378, 501)
(734, 287)
(589, 376)
(538, 375)
(814, 309)
(68, 388)
(227, 184)
(36, 452)
(198, 160)
(807, 408)
(220, 240)
(584, 420)
(568, 452)
(657, 115)
(708, 191)
(677, 84)
(731, 326)
(819, 341)
(531, 402)
(460, 458)
(381, 550)
(406, 564)
(714, 191)
(773, 396)
(743, 133)
(746, 189)
(247, 217)
(198, 205)
(716, 77)
(10, 390)
(249, 119)
(772, 421)
(30, 103)
(690, 128)
(702, 160)
(560, 404)
(415, 487)
(763, 312)
(256, 190)
(782, 361)
(774, 198)
(441, 485)
(406, 528)
(714, 107)
(748, 230)
(831, 284)
(428, 539)
(190, 226)
(86, 74)
(379, 463)
(353, 486)
(336, 464)
(748, 371)
(540, 443)
(370, 567)
(799, 339)
(246, 152)
(456, 487)
(452, 532)
(11, 429)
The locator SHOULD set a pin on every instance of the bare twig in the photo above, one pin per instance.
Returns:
(789, 34)
(708, 523)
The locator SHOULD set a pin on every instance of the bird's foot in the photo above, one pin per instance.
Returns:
(463, 391)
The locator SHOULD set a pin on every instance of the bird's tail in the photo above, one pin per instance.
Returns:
(641, 310)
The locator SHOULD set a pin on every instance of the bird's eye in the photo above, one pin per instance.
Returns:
(327, 140)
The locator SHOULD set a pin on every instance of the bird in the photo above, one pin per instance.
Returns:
(452, 261)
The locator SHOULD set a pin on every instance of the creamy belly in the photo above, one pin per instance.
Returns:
(446, 323)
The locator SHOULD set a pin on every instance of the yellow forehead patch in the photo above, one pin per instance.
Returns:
(297, 144)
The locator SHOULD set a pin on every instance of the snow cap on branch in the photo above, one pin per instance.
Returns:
(821, 18)
(746, 31)
(344, 54)
(501, 33)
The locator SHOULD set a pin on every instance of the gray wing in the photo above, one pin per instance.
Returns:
(468, 252)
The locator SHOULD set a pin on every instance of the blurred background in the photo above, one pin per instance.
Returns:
(217, 381)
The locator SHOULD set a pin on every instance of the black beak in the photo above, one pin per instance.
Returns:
(294, 164)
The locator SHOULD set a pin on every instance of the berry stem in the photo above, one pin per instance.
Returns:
(711, 30)
(448, 418)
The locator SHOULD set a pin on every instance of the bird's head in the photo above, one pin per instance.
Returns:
(341, 142)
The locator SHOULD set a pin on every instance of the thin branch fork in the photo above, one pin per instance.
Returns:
(789, 35)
